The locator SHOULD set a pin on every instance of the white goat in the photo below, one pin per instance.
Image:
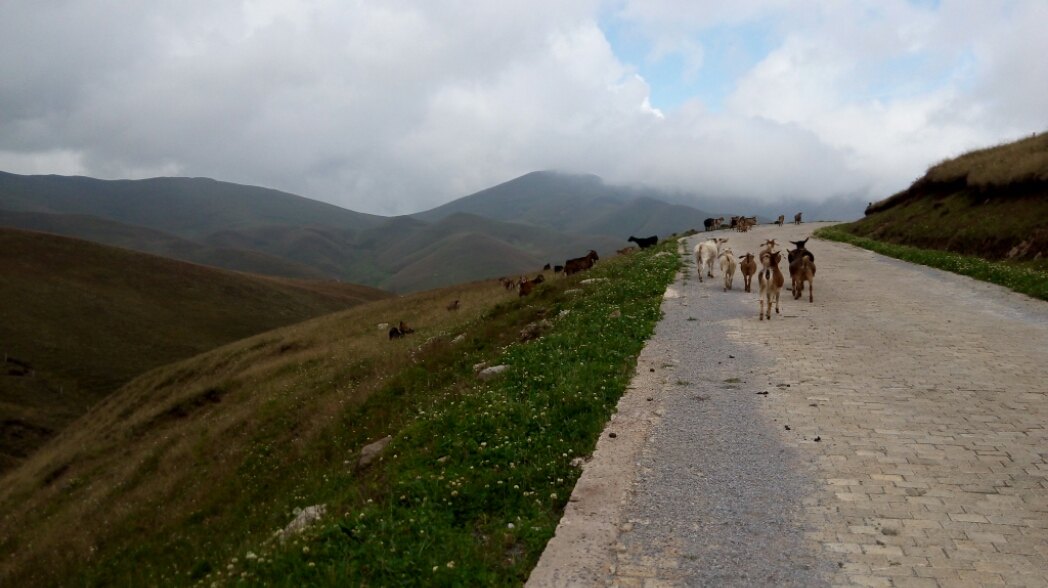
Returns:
(706, 252)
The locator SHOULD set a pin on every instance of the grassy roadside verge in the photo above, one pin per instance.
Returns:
(1015, 277)
(471, 490)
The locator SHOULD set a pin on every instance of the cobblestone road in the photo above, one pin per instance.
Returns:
(901, 442)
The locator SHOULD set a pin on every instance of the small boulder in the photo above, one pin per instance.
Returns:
(372, 451)
(535, 330)
(593, 280)
(615, 314)
(304, 517)
(490, 372)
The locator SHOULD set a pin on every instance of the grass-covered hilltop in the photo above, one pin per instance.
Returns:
(983, 214)
(184, 475)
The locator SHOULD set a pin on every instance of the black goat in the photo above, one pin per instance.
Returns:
(644, 242)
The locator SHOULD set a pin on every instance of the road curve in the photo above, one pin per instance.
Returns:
(901, 442)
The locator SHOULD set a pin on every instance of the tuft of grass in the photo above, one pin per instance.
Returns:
(174, 479)
(1024, 279)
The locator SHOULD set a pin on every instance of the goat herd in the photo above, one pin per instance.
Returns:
(743, 223)
(770, 278)
(801, 264)
(525, 285)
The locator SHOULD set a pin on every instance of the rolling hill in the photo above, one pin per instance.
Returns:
(515, 227)
(186, 207)
(79, 319)
(182, 476)
(575, 204)
(991, 203)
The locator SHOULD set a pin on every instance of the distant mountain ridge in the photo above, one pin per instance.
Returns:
(187, 207)
(540, 217)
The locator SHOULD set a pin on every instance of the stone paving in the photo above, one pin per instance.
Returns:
(909, 406)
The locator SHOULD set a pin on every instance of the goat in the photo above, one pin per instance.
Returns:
(710, 224)
(644, 242)
(400, 330)
(797, 219)
(545, 267)
(578, 264)
(748, 267)
(802, 269)
(557, 269)
(626, 250)
(780, 220)
(800, 250)
(706, 252)
(771, 282)
(453, 305)
(526, 284)
(734, 222)
(727, 265)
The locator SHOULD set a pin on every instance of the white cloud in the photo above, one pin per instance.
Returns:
(392, 107)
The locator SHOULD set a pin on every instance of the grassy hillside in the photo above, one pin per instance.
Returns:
(87, 318)
(990, 203)
(542, 217)
(108, 232)
(184, 474)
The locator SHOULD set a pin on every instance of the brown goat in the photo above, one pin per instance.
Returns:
(780, 220)
(400, 330)
(526, 285)
(453, 305)
(771, 282)
(578, 264)
(802, 269)
(749, 267)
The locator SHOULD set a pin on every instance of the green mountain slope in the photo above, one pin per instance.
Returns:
(108, 232)
(575, 204)
(542, 217)
(87, 318)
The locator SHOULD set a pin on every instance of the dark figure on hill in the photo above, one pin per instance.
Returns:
(644, 242)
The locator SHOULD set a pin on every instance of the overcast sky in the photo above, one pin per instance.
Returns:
(396, 106)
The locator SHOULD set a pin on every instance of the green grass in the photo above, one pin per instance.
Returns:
(473, 487)
(1020, 278)
(181, 474)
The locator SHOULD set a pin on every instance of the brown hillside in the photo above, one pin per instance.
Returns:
(991, 202)
(78, 319)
